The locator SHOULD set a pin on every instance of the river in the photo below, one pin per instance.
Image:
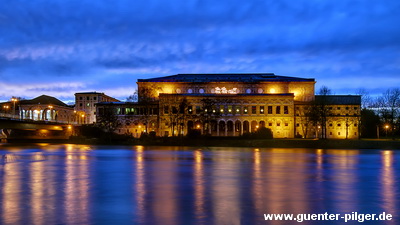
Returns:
(83, 184)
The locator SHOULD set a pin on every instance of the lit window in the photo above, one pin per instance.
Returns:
(261, 109)
(245, 110)
(285, 110)
(253, 109)
(248, 91)
(278, 110)
(201, 90)
(88, 104)
(190, 91)
(260, 90)
(272, 90)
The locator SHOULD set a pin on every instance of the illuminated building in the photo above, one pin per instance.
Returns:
(42, 108)
(85, 108)
(232, 105)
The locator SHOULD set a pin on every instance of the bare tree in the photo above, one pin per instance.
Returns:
(108, 120)
(208, 113)
(320, 110)
(133, 97)
(366, 99)
(388, 107)
(306, 119)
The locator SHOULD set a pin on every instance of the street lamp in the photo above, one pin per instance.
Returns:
(14, 100)
(5, 107)
(386, 129)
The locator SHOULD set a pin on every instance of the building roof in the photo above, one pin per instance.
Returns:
(44, 100)
(226, 95)
(339, 99)
(227, 77)
(90, 93)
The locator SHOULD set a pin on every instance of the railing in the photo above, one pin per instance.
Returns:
(8, 115)
(17, 117)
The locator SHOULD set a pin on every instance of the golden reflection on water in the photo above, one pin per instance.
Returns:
(76, 190)
(39, 189)
(140, 184)
(199, 188)
(388, 190)
(165, 188)
(257, 183)
(225, 188)
(345, 179)
(11, 192)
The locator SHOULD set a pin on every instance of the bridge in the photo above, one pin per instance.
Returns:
(14, 128)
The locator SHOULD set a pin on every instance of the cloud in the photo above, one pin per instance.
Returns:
(107, 45)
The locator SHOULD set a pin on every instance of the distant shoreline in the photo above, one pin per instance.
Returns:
(383, 144)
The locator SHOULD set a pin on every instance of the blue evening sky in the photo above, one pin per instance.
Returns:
(60, 47)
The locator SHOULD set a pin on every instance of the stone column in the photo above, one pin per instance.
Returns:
(217, 128)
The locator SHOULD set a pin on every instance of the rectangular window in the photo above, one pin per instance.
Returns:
(261, 109)
(270, 124)
(198, 109)
(221, 109)
(269, 109)
(229, 109)
(338, 107)
(253, 109)
(190, 109)
(87, 98)
(94, 98)
(245, 110)
(355, 108)
(174, 110)
(278, 110)
(80, 98)
(278, 124)
(285, 110)
(297, 125)
(166, 109)
(286, 124)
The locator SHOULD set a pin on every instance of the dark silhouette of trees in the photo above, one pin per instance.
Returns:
(321, 110)
(208, 113)
(389, 109)
(108, 120)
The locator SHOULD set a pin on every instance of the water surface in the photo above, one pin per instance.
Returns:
(82, 184)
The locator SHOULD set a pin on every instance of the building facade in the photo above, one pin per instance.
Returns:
(235, 104)
(85, 108)
(41, 108)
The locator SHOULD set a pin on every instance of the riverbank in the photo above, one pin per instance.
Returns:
(278, 143)
(260, 143)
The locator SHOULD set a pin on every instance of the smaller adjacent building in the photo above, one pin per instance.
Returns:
(85, 107)
(41, 108)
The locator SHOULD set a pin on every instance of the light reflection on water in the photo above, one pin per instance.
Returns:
(81, 184)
